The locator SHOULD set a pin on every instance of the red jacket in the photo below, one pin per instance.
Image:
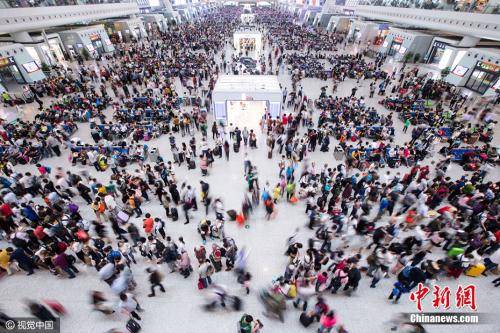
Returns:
(39, 233)
(5, 210)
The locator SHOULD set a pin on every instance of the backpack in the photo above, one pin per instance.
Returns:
(102, 207)
(73, 208)
(406, 271)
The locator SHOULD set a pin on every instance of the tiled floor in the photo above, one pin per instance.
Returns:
(179, 309)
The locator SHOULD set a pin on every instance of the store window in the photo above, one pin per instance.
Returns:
(395, 46)
(9, 72)
(483, 77)
(437, 52)
(97, 43)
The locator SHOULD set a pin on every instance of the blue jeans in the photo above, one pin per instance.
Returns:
(68, 270)
(206, 281)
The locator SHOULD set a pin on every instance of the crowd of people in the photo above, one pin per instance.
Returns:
(378, 208)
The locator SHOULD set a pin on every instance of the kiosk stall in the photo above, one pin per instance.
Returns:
(242, 100)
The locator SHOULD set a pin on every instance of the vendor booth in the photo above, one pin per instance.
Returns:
(242, 100)
(248, 42)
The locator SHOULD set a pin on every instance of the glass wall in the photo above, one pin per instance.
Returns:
(483, 77)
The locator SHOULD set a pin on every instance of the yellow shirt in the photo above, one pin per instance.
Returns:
(4, 259)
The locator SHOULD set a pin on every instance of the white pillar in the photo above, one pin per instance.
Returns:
(468, 41)
(21, 37)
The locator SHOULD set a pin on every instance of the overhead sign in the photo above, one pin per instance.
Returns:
(440, 45)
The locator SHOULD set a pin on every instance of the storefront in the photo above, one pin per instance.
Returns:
(396, 46)
(9, 72)
(90, 41)
(17, 66)
(483, 76)
(383, 31)
(437, 51)
(95, 40)
(406, 44)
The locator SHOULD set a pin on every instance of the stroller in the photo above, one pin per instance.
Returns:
(218, 296)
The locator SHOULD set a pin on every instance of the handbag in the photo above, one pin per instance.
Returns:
(133, 326)
(200, 284)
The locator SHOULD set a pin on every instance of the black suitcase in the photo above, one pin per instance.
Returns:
(174, 214)
(305, 319)
(236, 147)
(191, 165)
(133, 326)
(236, 303)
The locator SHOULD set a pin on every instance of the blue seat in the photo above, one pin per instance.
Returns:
(458, 153)
(447, 131)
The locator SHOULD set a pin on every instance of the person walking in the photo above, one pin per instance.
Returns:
(155, 279)
(128, 304)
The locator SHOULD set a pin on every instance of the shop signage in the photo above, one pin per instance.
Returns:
(383, 26)
(6, 61)
(488, 66)
(95, 37)
(398, 39)
(440, 45)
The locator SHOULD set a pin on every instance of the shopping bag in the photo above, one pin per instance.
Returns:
(294, 199)
(240, 219)
(200, 284)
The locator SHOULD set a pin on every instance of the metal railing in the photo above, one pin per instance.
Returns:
(449, 5)
(49, 3)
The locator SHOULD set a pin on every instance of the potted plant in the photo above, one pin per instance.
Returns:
(45, 68)
(408, 56)
(445, 71)
(416, 58)
(85, 54)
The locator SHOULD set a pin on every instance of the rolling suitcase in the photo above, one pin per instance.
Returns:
(305, 319)
(236, 147)
(174, 214)
(133, 326)
(475, 270)
(123, 217)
